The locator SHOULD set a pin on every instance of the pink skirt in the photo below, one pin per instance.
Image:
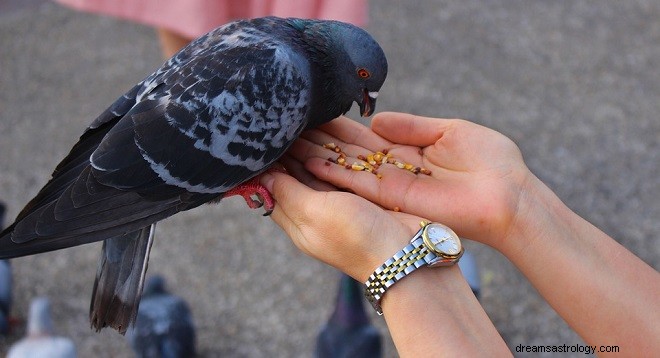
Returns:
(193, 18)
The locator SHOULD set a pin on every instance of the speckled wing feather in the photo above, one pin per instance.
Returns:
(214, 116)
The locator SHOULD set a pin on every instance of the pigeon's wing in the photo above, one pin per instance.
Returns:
(66, 174)
(212, 122)
(200, 125)
(68, 170)
(119, 279)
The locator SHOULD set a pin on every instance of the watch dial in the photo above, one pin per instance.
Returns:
(443, 239)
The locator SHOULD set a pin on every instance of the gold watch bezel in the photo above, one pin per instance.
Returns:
(443, 258)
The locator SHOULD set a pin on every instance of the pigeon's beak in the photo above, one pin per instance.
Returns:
(368, 103)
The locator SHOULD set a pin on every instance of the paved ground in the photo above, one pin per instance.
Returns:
(575, 84)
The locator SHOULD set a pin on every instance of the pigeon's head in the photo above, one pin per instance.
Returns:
(354, 64)
(155, 285)
(39, 320)
(363, 68)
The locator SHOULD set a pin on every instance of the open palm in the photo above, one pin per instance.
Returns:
(477, 174)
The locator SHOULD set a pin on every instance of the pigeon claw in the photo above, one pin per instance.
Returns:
(255, 195)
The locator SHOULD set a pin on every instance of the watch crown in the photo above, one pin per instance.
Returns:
(424, 223)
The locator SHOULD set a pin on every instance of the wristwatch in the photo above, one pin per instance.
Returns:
(433, 245)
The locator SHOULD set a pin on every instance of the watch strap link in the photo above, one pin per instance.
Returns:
(405, 261)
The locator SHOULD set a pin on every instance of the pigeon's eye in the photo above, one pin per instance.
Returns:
(363, 73)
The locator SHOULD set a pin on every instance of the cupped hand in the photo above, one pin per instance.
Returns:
(338, 228)
(477, 175)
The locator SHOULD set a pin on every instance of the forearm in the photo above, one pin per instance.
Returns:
(605, 293)
(433, 313)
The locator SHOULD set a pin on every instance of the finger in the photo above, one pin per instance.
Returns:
(343, 154)
(405, 128)
(452, 144)
(320, 139)
(288, 192)
(305, 148)
(332, 227)
(296, 169)
(292, 205)
(393, 188)
(440, 197)
(279, 215)
(354, 133)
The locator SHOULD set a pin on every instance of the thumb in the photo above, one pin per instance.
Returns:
(405, 128)
(292, 203)
(296, 204)
(290, 194)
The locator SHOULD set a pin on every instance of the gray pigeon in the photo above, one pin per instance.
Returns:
(470, 270)
(40, 340)
(5, 284)
(348, 332)
(5, 296)
(200, 128)
(164, 326)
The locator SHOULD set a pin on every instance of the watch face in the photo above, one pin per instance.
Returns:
(442, 239)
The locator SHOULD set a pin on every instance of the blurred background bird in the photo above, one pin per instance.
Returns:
(5, 296)
(41, 341)
(5, 283)
(164, 325)
(470, 270)
(348, 333)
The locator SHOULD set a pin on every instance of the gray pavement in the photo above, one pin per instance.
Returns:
(575, 83)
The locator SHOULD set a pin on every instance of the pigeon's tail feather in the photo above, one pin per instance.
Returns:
(119, 279)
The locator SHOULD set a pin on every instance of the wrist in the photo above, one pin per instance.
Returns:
(423, 286)
(425, 296)
(539, 213)
(382, 245)
(435, 308)
(434, 245)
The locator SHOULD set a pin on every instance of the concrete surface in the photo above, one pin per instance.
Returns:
(575, 83)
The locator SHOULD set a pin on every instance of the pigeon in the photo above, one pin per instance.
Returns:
(164, 326)
(5, 296)
(470, 270)
(348, 332)
(40, 340)
(200, 128)
(5, 284)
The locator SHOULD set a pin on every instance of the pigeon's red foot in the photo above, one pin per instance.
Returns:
(251, 189)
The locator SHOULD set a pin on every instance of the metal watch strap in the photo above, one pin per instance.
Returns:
(405, 261)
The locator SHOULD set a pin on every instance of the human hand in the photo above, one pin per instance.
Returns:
(338, 228)
(481, 188)
(357, 236)
(477, 178)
